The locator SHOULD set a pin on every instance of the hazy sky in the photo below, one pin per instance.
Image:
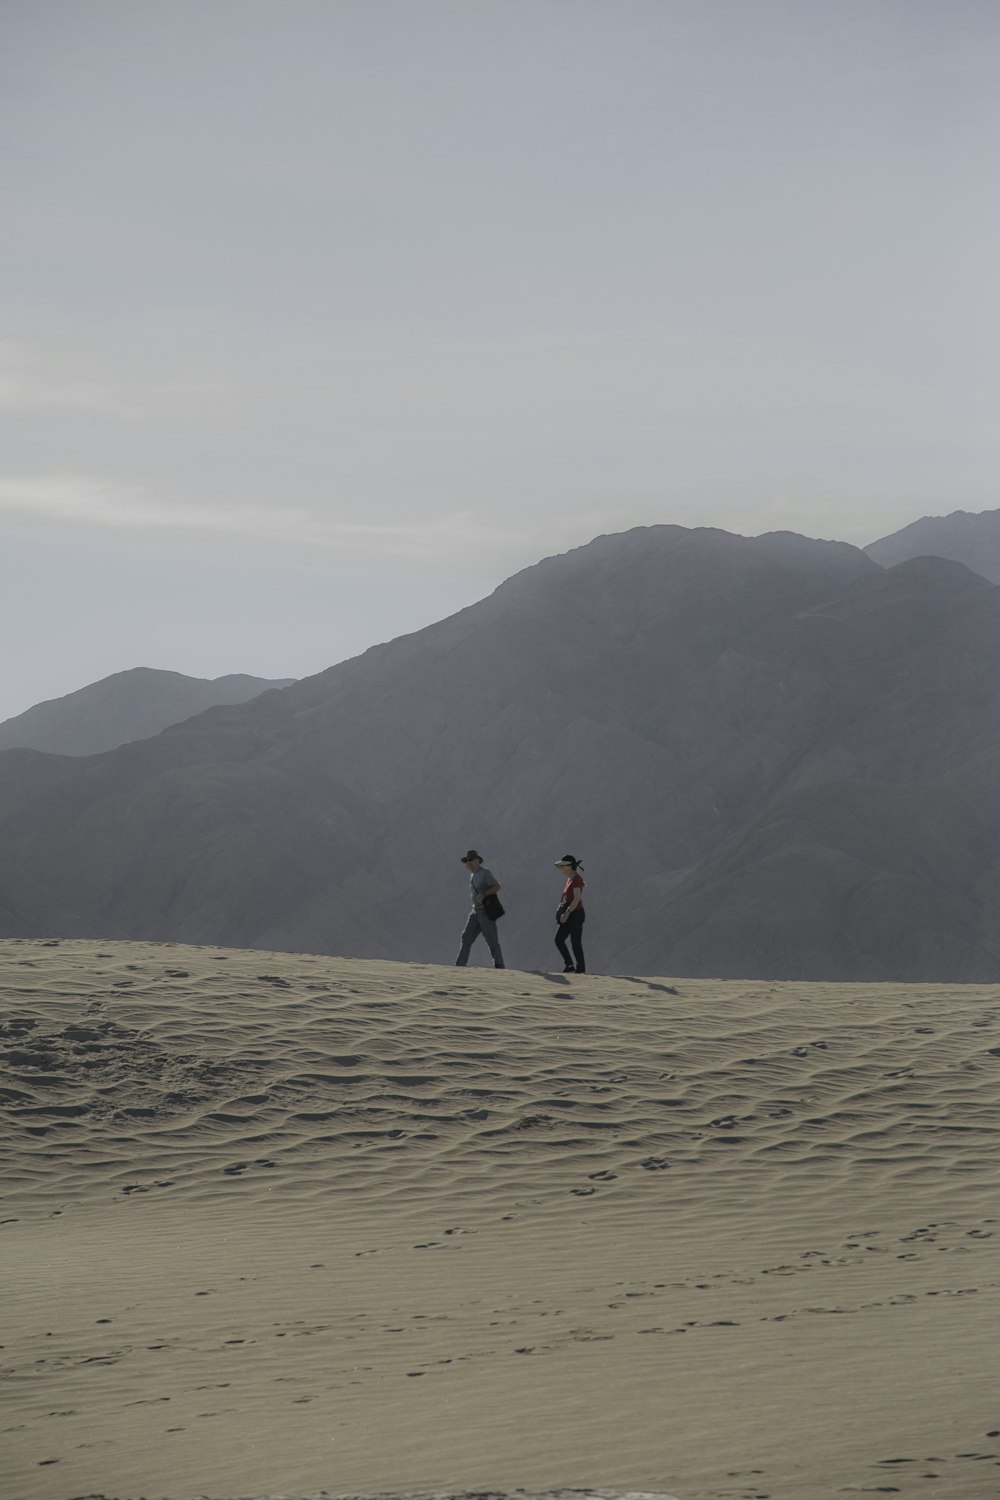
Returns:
(320, 317)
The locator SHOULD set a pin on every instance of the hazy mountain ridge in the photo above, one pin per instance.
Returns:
(126, 706)
(969, 537)
(704, 718)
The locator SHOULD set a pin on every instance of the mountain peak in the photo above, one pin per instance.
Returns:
(969, 537)
(128, 705)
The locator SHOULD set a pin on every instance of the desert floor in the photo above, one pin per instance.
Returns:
(274, 1223)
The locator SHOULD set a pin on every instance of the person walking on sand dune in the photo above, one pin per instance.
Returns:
(483, 916)
(571, 916)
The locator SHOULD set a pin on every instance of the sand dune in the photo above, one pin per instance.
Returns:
(283, 1224)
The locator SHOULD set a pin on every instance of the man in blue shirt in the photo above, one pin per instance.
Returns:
(482, 883)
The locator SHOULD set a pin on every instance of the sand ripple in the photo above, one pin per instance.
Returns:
(337, 1077)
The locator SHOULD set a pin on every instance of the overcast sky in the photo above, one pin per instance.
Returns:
(318, 318)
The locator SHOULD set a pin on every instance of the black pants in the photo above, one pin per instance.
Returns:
(571, 931)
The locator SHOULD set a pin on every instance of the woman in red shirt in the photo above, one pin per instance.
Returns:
(571, 915)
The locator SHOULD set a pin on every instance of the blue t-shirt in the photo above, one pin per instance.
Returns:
(480, 882)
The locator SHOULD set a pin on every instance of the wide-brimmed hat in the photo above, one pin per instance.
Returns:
(567, 859)
(471, 854)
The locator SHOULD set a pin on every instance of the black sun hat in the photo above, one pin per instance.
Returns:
(567, 859)
(471, 854)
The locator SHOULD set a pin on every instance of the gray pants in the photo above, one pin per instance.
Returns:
(478, 923)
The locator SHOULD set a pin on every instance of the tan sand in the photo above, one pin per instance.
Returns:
(277, 1224)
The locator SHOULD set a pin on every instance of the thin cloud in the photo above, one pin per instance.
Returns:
(443, 540)
(95, 502)
(26, 388)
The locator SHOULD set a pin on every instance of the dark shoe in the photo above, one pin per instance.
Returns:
(581, 971)
(569, 969)
(499, 966)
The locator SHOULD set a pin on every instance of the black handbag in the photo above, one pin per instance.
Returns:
(493, 906)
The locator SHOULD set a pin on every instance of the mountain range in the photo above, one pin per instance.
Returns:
(125, 706)
(775, 757)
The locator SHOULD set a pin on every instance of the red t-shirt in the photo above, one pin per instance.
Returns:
(574, 883)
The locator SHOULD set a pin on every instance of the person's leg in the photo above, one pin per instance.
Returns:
(575, 925)
(488, 928)
(562, 934)
(468, 938)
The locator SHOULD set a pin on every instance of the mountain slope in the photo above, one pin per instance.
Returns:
(846, 881)
(125, 706)
(968, 537)
(642, 701)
